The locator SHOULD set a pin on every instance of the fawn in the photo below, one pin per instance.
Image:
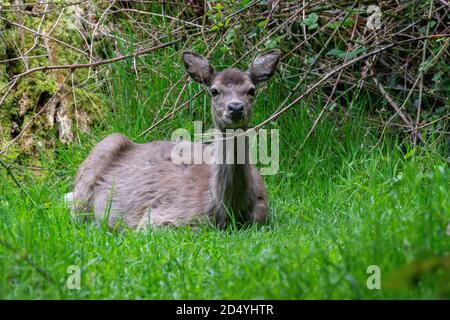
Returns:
(140, 185)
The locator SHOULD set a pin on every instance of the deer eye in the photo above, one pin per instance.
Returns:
(251, 91)
(214, 92)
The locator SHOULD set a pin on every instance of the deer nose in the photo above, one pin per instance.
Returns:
(236, 109)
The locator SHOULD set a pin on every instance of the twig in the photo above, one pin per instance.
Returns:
(424, 55)
(398, 110)
(46, 36)
(336, 70)
(98, 63)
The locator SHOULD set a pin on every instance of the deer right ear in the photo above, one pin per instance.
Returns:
(264, 66)
(198, 68)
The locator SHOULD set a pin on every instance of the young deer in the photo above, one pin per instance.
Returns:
(140, 184)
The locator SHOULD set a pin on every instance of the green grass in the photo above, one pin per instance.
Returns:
(339, 205)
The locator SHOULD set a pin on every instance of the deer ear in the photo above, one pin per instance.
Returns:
(264, 66)
(198, 68)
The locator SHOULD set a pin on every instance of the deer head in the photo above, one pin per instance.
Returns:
(232, 90)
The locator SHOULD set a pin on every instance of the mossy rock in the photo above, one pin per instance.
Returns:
(33, 92)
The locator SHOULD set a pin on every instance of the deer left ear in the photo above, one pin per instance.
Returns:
(198, 68)
(264, 66)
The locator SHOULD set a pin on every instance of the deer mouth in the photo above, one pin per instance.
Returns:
(235, 121)
(236, 117)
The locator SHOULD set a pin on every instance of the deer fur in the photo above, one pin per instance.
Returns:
(140, 185)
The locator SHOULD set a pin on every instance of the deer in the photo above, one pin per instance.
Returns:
(140, 185)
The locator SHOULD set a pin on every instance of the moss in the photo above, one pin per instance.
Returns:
(34, 91)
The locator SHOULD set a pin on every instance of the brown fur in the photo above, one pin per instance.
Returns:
(140, 185)
(232, 76)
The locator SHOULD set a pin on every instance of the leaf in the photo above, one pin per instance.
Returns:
(214, 27)
(271, 44)
(355, 53)
(311, 21)
(309, 60)
(254, 31)
(336, 52)
(410, 153)
(437, 76)
(313, 26)
(336, 24)
(263, 23)
(312, 18)
(229, 37)
(423, 30)
(341, 53)
(244, 3)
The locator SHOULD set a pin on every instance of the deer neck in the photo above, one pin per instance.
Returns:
(231, 179)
